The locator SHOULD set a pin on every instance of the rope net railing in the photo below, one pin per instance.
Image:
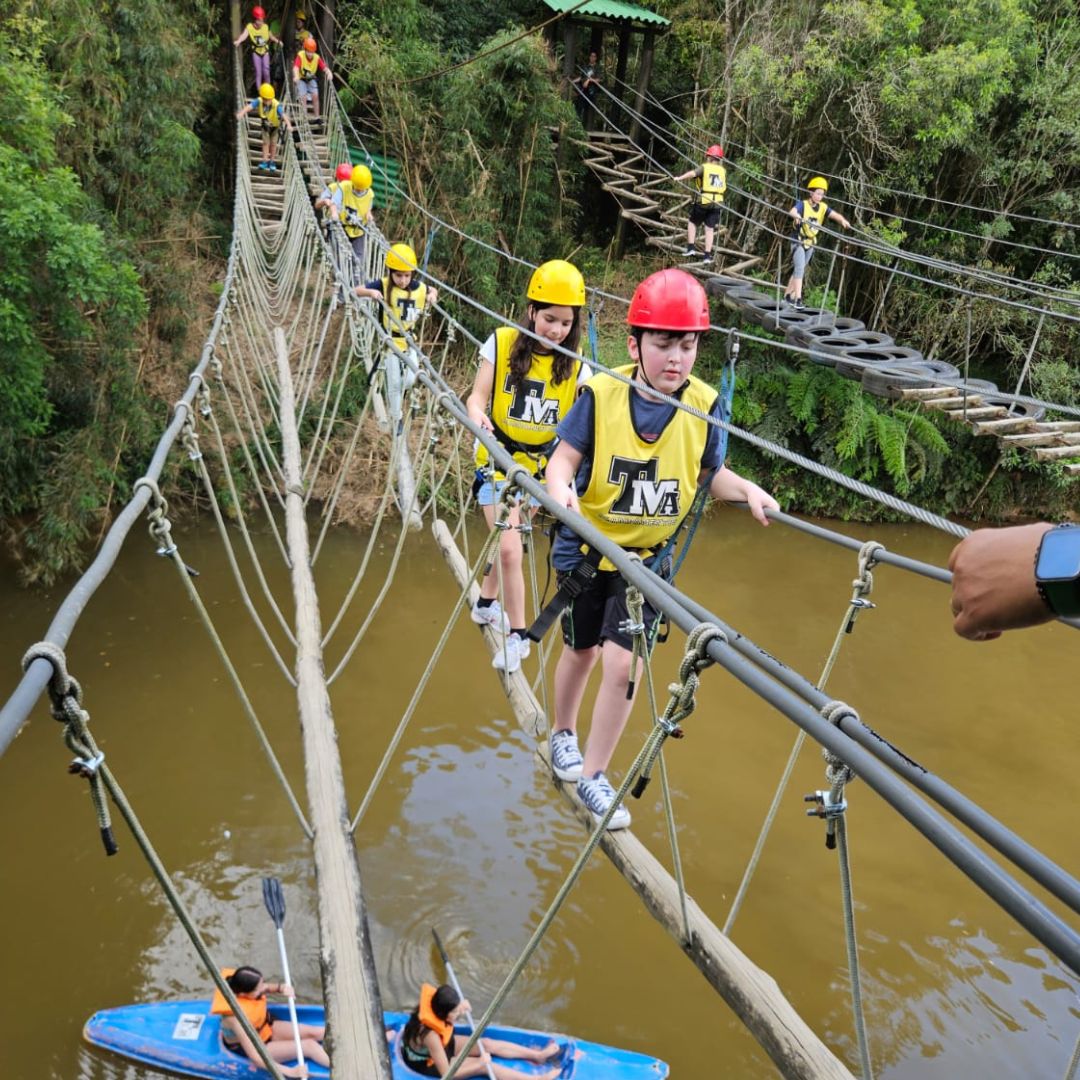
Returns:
(290, 280)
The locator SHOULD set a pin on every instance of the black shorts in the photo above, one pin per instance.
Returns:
(706, 214)
(596, 612)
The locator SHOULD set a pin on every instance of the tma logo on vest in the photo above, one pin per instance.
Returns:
(640, 493)
(529, 406)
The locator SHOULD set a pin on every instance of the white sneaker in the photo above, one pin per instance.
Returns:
(597, 795)
(510, 654)
(566, 759)
(492, 615)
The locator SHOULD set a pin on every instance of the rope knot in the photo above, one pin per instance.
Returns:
(868, 557)
(836, 771)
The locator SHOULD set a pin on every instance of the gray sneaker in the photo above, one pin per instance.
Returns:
(566, 759)
(597, 795)
(511, 652)
(492, 615)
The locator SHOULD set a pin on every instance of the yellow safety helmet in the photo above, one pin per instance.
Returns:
(301, 15)
(266, 92)
(557, 282)
(361, 177)
(818, 182)
(401, 257)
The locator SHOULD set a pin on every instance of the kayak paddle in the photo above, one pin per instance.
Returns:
(274, 898)
(457, 989)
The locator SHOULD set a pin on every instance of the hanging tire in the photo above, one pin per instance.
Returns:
(846, 325)
(853, 362)
(1019, 410)
(718, 284)
(759, 310)
(738, 298)
(903, 377)
(883, 355)
(827, 324)
(868, 339)
(789, 318)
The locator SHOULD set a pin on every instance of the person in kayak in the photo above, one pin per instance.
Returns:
(428, 1041)
(251, 989)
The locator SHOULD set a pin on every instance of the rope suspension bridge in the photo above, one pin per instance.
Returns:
(273, 403)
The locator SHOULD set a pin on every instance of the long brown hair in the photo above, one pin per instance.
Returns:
(521, 352)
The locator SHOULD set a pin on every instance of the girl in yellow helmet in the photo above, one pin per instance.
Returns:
(808, 215)
(351, 205)
(271, 115)
(523, 388)
(404, 298)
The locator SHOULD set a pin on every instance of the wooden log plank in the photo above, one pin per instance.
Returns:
(1042, 438)
(1053, 453)
(357, 1039)
(976, 413)
(752, 993)
(1007, 425)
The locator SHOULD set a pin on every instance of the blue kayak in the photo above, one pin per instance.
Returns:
(183, 1037)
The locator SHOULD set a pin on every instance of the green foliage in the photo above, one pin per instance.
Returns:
(97, 149)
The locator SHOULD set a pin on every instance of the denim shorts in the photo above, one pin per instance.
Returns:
(488, 490)
(308, 86)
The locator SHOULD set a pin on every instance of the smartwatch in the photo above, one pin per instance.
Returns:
(1057, 570)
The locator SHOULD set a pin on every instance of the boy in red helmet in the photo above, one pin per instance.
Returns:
(260, 35)
(711, 187)
(631, 464)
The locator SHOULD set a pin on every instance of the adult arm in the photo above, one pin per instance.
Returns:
(731, 487)
(242, 37)
(993, 587)
(835, 215)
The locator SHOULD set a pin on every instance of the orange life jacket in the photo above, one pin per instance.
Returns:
(254, 1009)
(443, 1028)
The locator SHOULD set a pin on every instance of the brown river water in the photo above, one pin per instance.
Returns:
(465, 833)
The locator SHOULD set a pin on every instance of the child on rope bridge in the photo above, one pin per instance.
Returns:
(630, 464)
(272, 115)
(351, 204)
(522, 389)
(260, 36)
(808, 215)
(306, 68)
(711, 181)
(405, 297)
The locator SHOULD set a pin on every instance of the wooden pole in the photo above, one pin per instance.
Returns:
(234, 19)
(644, 75)
(751, 993)
(624, 56)
(350, 991)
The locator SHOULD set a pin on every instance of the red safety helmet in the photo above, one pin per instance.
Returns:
(669, 300)
(258, 13)
(716, 150)
(343, 172)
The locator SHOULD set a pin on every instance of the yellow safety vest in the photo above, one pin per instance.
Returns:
(638, 492)
(260, 38)
(811, 214)
(525, 416)
(309, 68)
(712, 184)
(406, 304)
(268, 112)
(355, 209)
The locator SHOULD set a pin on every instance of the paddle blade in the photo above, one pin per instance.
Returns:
(274, 899)
(439, 946)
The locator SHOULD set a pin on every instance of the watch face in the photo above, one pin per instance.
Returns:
(1059, 556)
